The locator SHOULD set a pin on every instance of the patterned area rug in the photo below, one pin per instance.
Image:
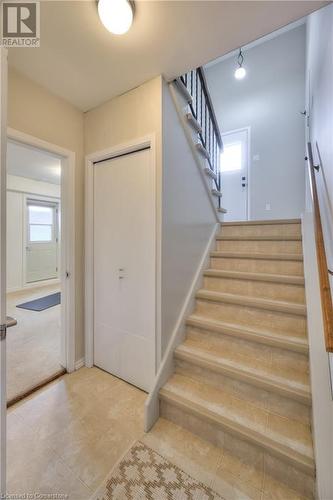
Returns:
(144, 474)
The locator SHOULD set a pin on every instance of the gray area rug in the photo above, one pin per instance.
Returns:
(42, 303)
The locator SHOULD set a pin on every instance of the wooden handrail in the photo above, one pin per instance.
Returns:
(325, 290)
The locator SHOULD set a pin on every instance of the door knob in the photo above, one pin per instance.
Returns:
(121, 273)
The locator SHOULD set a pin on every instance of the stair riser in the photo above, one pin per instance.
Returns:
(258, 266)
(257, 396)
(251, 316)
(260, 355)
(252, 288)
(247, 451)
(259, 246)
(282, 341)
(262, 230)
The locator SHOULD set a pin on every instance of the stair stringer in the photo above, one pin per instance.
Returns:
(181, 106)
(151, 409)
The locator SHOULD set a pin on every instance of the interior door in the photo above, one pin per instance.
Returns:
(124, 268)
(3, 148)
(234, 174)
(42, 240)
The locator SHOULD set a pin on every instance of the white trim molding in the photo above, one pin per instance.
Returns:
(79, 364)
(109, 153)
(167, 365)
(3, 220)
(67, 250)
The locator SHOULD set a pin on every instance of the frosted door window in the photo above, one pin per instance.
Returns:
(40, 223)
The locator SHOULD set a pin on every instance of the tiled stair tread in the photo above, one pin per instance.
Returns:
(259, 303)
(279, 435)
(261, 256)
(285, 340)
(294, 383)
(261, 222)
(272, 278)
(258, 238)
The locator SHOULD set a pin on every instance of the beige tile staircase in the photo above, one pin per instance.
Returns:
(241, 376)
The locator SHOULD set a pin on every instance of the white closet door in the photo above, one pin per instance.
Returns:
(124, 268)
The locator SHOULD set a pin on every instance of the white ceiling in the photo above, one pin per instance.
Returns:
(31, 163)
(82, 62)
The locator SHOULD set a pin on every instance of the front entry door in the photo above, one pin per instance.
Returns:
(234, 174)
(124, 268)
(42, 240)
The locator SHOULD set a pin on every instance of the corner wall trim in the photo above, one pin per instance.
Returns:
(167, 365)
(79, 363)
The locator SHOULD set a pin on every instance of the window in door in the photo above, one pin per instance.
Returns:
(231, 158)
(41, 223)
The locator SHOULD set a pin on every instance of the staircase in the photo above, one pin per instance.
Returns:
(241, 376)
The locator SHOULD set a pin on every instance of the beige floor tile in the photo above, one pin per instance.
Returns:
(231, 487)
(193, 455)
(274, 490)
(66, 437)
(34, 467)
(244, 461)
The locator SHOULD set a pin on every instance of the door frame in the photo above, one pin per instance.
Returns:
(109, 153)
(248, 131)
(57, 203)
(3, 208)
(67, 249)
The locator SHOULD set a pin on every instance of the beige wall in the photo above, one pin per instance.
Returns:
(129, 116)
(33, 110)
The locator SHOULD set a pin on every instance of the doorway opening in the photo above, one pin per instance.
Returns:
(36, 290)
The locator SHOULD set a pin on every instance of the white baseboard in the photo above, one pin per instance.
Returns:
(79, 363)
(167, 365)
(36, 284)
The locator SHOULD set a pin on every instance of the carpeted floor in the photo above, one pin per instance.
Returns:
(144, 474)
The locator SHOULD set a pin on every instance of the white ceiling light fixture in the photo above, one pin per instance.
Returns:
(240, 71)
(116, 15)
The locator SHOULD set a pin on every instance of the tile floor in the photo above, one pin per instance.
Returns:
(65, 439)
(33, 345)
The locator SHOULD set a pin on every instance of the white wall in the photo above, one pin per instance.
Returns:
(268, 100)
(31, 186)
(17, 188)
(319, 95)
(188, 218)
